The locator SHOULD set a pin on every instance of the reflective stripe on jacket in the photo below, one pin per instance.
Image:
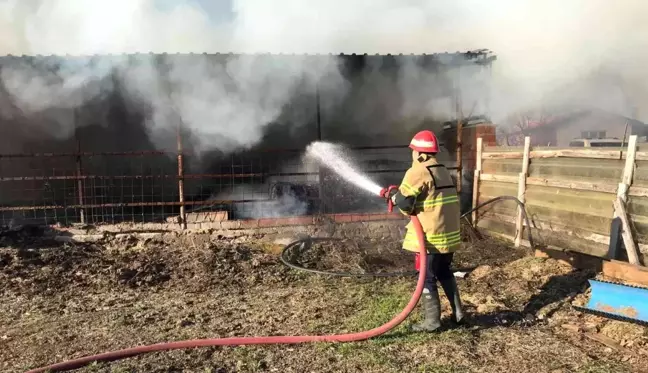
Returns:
(437, 207)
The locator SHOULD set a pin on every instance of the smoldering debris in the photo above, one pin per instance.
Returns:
(282, 199)
(285, 199)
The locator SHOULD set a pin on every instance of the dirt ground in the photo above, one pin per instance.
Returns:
(63, 301)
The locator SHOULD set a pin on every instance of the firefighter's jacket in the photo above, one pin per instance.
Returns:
(427, 191)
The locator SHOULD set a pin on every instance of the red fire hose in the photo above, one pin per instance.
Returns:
(239, 341)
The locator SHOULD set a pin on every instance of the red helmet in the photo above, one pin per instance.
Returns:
(425, 142)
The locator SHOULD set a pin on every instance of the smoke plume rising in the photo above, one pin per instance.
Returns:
(550, 54)
(224, 106)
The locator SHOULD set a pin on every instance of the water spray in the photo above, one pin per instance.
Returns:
(333, 157)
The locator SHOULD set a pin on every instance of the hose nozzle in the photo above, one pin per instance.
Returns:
(387, 193)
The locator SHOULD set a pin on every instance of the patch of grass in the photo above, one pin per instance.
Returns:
(251, 360)
(435, 368)
(348, 349)
(377, 357)
(121, 370)
(314, 326)
(603, 367)
(454, 336)
(99, 366)
(382, 306)
(268, 247)
(364, 352)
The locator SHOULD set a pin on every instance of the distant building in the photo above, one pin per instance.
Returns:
(590, 124)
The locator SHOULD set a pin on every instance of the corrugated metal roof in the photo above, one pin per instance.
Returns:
(473, 53)
(481, 56)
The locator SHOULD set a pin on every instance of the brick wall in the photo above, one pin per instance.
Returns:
(382, 226)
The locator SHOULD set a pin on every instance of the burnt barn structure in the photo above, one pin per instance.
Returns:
(96, 160)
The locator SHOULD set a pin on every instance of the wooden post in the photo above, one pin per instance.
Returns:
(183, 214)
(478, 168)
(519, 227)
(620, 201)
(628, 171)
(526, 156)
(628, 241)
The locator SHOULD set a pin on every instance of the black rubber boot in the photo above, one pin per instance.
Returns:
(431, 311)
(452, 292)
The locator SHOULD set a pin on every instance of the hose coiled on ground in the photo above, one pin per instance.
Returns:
(309, 241)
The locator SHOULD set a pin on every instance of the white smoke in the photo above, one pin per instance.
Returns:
(259, 202)
(543, 47)
(550, 53)
(224, 106)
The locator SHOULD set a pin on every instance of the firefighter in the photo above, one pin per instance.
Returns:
(427, 191)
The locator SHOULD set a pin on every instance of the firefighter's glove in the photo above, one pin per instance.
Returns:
(388, 193)
(391, 195)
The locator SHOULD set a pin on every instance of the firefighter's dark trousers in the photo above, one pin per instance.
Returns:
(438, 269)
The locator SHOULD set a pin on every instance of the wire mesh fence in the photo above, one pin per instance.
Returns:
(157, 186)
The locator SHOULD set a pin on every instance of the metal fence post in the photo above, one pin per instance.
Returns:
(459, 114)
(183, 215)
(320, 173)
(79, 168)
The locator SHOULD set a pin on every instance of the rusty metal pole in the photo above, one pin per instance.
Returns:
(320, 173)
(79, 168)
(183, 215)
(459, 128)
(80, 182)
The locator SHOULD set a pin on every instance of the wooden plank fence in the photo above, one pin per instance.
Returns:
(569, 194)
